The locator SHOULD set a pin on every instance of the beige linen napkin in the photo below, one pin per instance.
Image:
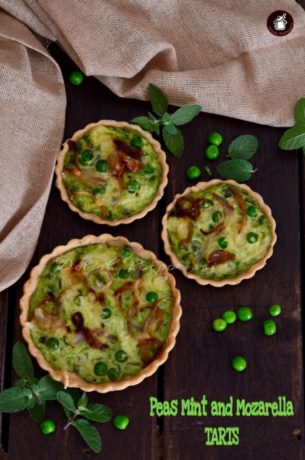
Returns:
(215, 52)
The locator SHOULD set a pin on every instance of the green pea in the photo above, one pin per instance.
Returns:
(76, 78)
(99, 191)
(229, 316)
(113, 374)
(100, 368)
(151, 297)
(208, 203)
(106, 313)
(244, 314)
(137, 142)
(52, 343)
(251, 211)
(148, 169)
(239, 363)
(121, 422)
(55, 268)
(275, 310)
(86, 157)
(121, 356)
(216, 216)
(252, 237)
(47, 427)
(125, 251)
(78, 300)
(212, 152)
(222, 243)
(219, 325)
(193, 172)
(42, 340)
(101, 166)
(133, 186)
(215, 139)
(123, 274)
(269, 327)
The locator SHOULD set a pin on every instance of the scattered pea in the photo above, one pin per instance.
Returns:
(55, 268)
(212, 152)
(121, 356)
(137, 142)
(47, 426)
(239, 363)
(121, 422)
(52, 343)
(86, 157)
(133, 186)
(101, 166)
(106, 313)
(193, 172)
(216, 216)
(99, 191)
(215, 139)
(100, 368)
(151, 297)
(244, 314)
(219, 325)
(208, 203)
(222, 243)
(275, 310)
(76, 78)
(251, 211)
(252, 237)
(229, 316)
(269, 327)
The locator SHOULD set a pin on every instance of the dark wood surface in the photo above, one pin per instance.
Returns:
(200, 362)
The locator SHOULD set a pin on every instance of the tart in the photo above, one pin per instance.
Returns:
(218, 232)
(111, 172)
(100, 313)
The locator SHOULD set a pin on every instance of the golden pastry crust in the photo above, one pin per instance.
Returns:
(116, 124)
(230, 281)
(70, 379)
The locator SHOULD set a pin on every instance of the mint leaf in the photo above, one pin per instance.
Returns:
(243, 147)
(47, 388)
(304, 150)
(22, 362)
(185, 114)
(158, 99)
(37, 412)
(145, 122)
(96, 412)
(174, 142)
(89, 434)
(236, 169)
(171, 129)
(15, 399)
(299, 111)
(83, 401)
(293, 138)
(157, 127)
(66, 401)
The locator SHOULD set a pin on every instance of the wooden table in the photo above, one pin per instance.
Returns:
(200, 363)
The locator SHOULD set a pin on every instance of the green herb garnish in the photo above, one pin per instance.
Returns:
(238, 167)
(294, 138)
(171, 135)
(31, 394)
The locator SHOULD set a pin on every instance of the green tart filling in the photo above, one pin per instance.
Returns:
(101, 312)
(111, 172)
(220, 232)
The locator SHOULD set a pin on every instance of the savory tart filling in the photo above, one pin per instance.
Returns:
(219, 232)
(101, 312)
(113, 172)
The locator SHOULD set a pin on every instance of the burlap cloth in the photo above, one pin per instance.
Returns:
(215, 52)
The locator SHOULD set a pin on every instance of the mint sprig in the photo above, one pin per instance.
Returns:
(294, 138)
(166, 123)
(31, 394)
(240, 151)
